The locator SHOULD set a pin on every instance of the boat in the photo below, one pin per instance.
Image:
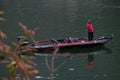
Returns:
(67, 43)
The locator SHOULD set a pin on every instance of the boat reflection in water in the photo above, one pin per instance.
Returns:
(90, 52)
(67, 55)
(90, 62)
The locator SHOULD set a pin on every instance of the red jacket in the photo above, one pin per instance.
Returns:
(89, 27)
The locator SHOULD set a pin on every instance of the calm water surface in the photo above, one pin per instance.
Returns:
(67, 18)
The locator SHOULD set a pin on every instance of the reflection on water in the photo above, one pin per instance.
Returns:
(78, 51)
(86, 50)
(90, 62)
(65, 59)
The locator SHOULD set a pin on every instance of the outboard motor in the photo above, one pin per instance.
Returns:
(23, 40)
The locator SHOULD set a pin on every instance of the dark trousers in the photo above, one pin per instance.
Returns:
(90, 36)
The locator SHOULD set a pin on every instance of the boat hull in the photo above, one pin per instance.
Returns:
(49, 45)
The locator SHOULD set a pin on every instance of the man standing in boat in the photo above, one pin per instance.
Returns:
(90, 30)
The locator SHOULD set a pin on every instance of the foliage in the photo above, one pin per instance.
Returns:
(14, 62)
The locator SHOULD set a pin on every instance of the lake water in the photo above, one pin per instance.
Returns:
(67, 18)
